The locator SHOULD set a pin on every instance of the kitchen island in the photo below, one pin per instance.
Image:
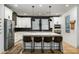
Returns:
(35, 33)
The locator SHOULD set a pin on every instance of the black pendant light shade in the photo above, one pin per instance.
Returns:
(33, 13)
(50, 12)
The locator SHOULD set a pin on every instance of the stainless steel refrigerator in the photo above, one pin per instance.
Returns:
(8, 34)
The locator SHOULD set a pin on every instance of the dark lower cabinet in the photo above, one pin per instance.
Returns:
(22, 29)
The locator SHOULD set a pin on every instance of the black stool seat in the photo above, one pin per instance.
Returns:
(27, 39)
(57, 39)
(47, 39)
(37, 39)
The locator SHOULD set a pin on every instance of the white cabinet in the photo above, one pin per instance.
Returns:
(35, 24)
(45, 24)
(57, 25)
(23, 22)
(26, 22)
(57, 20)
(8, 13)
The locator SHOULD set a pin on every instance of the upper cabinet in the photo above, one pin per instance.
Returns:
(57, 20)
(8, 13)
(23, 22)
(45, 24)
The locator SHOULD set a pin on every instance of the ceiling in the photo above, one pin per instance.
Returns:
(40, 10)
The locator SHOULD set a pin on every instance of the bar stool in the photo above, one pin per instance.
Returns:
(48, 40)
(27, 39)
(58, 39)
(38, 40)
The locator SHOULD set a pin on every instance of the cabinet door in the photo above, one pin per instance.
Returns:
(35, 24)
(45, 24)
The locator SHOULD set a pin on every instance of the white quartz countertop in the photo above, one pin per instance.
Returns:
(19, 35)
(39, 34)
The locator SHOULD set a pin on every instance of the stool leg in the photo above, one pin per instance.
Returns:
(60, 46)
(31, 47)
(34, 47)
(54, 46)
(51, 47)
(23, 46)
(42, 45)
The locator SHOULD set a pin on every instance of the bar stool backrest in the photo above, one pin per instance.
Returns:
(37, 39)
(27, 38)
(58, 39)
(47, 39)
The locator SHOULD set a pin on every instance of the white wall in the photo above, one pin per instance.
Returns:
(2, 28)
(23, 22)
(71, 37)
(4, 13)
(78, 26)
(8, 13)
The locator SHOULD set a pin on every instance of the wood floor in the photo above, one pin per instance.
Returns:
(17, 49)
(68, 49)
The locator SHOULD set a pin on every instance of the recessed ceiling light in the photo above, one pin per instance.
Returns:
(16, 5)
(40, 5)
(66, 5)
(57, 13)
(25, 13)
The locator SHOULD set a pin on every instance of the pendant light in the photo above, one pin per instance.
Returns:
(49, 17)
(50, 12)
(33, 13)
(33, 10)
